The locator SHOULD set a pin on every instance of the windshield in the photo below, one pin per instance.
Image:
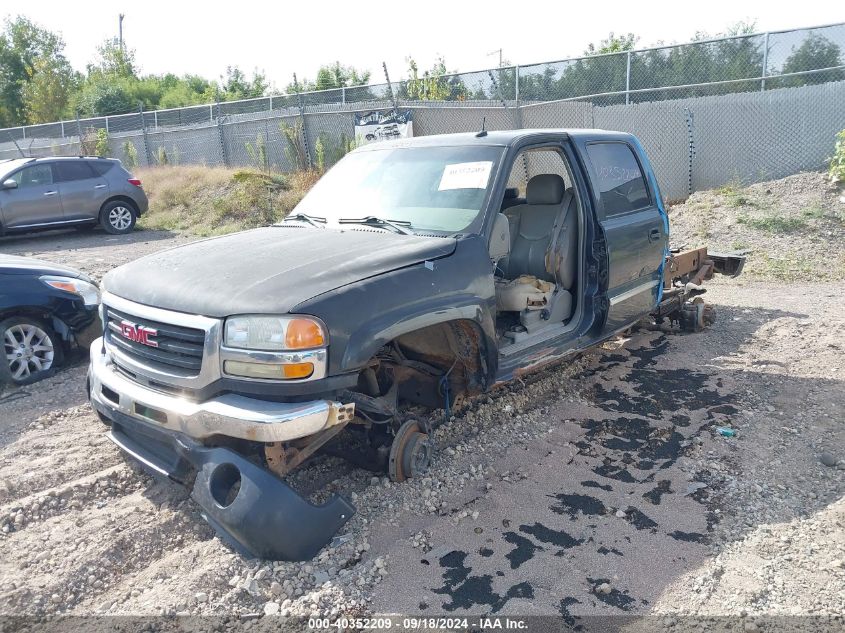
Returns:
(425, 188)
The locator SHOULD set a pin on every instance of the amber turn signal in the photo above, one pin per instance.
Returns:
(303, 334)
(268, 371)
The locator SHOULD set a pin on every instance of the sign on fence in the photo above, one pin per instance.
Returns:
(383, 126)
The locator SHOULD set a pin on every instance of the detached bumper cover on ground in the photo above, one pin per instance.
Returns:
(254, 511)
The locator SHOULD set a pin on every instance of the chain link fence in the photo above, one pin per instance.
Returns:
(709, 112)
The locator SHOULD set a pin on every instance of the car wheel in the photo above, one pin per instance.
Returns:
(31, 349)
(118, 217)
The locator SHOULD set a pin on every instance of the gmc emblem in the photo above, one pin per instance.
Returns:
(138, 333)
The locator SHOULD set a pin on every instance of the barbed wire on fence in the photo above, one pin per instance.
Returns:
(726, 64)
(745, 126)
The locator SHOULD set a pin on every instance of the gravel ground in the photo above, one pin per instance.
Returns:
(599, 487)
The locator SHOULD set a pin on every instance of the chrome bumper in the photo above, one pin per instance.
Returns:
(230, 415)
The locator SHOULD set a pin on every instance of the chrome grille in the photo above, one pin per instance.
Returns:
(176, 346)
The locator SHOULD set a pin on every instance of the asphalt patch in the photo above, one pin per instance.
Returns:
(640, 520)
(566, 616)
(663, 488)
(589, 483)
(572, 504)
(690, 537)
(616, 598)
(523, 550)
(467, 591)
(544, 534)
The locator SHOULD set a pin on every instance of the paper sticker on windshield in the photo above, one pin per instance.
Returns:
(466, 175)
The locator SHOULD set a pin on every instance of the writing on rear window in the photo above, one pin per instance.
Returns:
(618, 178)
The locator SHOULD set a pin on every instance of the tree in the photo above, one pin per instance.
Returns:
(814, 53)
(235, 85)
(436, 84)
(12, 74)
(48, 92)
(36, 79)
(114, 61)
(338, 76)
(613, 44)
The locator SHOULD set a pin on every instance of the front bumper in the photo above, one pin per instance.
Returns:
(256, 513)
(229, 415)
(250, 508)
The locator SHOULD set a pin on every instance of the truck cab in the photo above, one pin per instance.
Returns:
(416, 273)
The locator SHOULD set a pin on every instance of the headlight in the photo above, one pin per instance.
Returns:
(89, 292)
(273, 333)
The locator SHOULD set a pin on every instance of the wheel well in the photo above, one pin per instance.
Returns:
(434, 366)
(124, 199)
(52, 321)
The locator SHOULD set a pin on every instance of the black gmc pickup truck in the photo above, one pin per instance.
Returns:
(416, 272)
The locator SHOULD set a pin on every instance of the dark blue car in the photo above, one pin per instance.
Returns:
(45, 310)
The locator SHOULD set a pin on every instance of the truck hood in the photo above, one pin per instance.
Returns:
(268, 270)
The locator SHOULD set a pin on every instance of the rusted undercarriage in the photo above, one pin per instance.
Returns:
(436, 367)
(683, 276)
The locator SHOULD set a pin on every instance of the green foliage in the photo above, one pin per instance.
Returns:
(235, 85)
(294, 145)
(815, 52)
(773, 223)
(161, 156)
(320, 154)
(101, 145)
(36, 79)
(613, 44)
(436, 84)
(836, 170)
(330, 77)
(258, 153)
(114, 61)
(130, 155)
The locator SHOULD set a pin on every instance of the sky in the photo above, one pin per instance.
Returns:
(282, 38)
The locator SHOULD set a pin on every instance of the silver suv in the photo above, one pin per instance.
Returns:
(42, 193)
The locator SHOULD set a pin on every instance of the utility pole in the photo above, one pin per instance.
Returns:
(120, 17)
(498, 50)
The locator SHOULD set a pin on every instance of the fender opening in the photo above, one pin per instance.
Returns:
(437, 367)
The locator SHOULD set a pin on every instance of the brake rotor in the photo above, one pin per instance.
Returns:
(410, 453)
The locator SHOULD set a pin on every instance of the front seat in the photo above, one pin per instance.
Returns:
(542, 254)
(532, 226)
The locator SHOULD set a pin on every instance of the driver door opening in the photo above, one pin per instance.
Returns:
(536, 273)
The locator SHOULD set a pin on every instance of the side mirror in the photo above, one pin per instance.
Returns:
(500, 238)
(10, 184)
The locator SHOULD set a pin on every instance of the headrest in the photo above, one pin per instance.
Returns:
(545, 189)
(511, 193)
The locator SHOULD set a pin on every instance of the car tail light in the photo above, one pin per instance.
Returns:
(135, 181)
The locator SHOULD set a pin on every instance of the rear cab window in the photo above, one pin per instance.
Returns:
(618, 178)
(69, 170)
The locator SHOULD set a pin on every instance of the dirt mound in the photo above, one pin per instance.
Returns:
(793, 228)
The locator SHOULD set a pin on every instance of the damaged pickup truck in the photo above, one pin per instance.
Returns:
(416, 273)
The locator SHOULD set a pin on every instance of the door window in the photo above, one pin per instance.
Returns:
(618, 178)
(69, 170)
(35, 176)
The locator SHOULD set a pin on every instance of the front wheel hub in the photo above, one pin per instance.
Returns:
(410, 453)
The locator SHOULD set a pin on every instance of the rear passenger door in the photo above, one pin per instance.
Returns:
(82, 189)
(634, 227)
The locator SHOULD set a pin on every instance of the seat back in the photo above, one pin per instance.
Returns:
(532, 226)
(562, 259)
